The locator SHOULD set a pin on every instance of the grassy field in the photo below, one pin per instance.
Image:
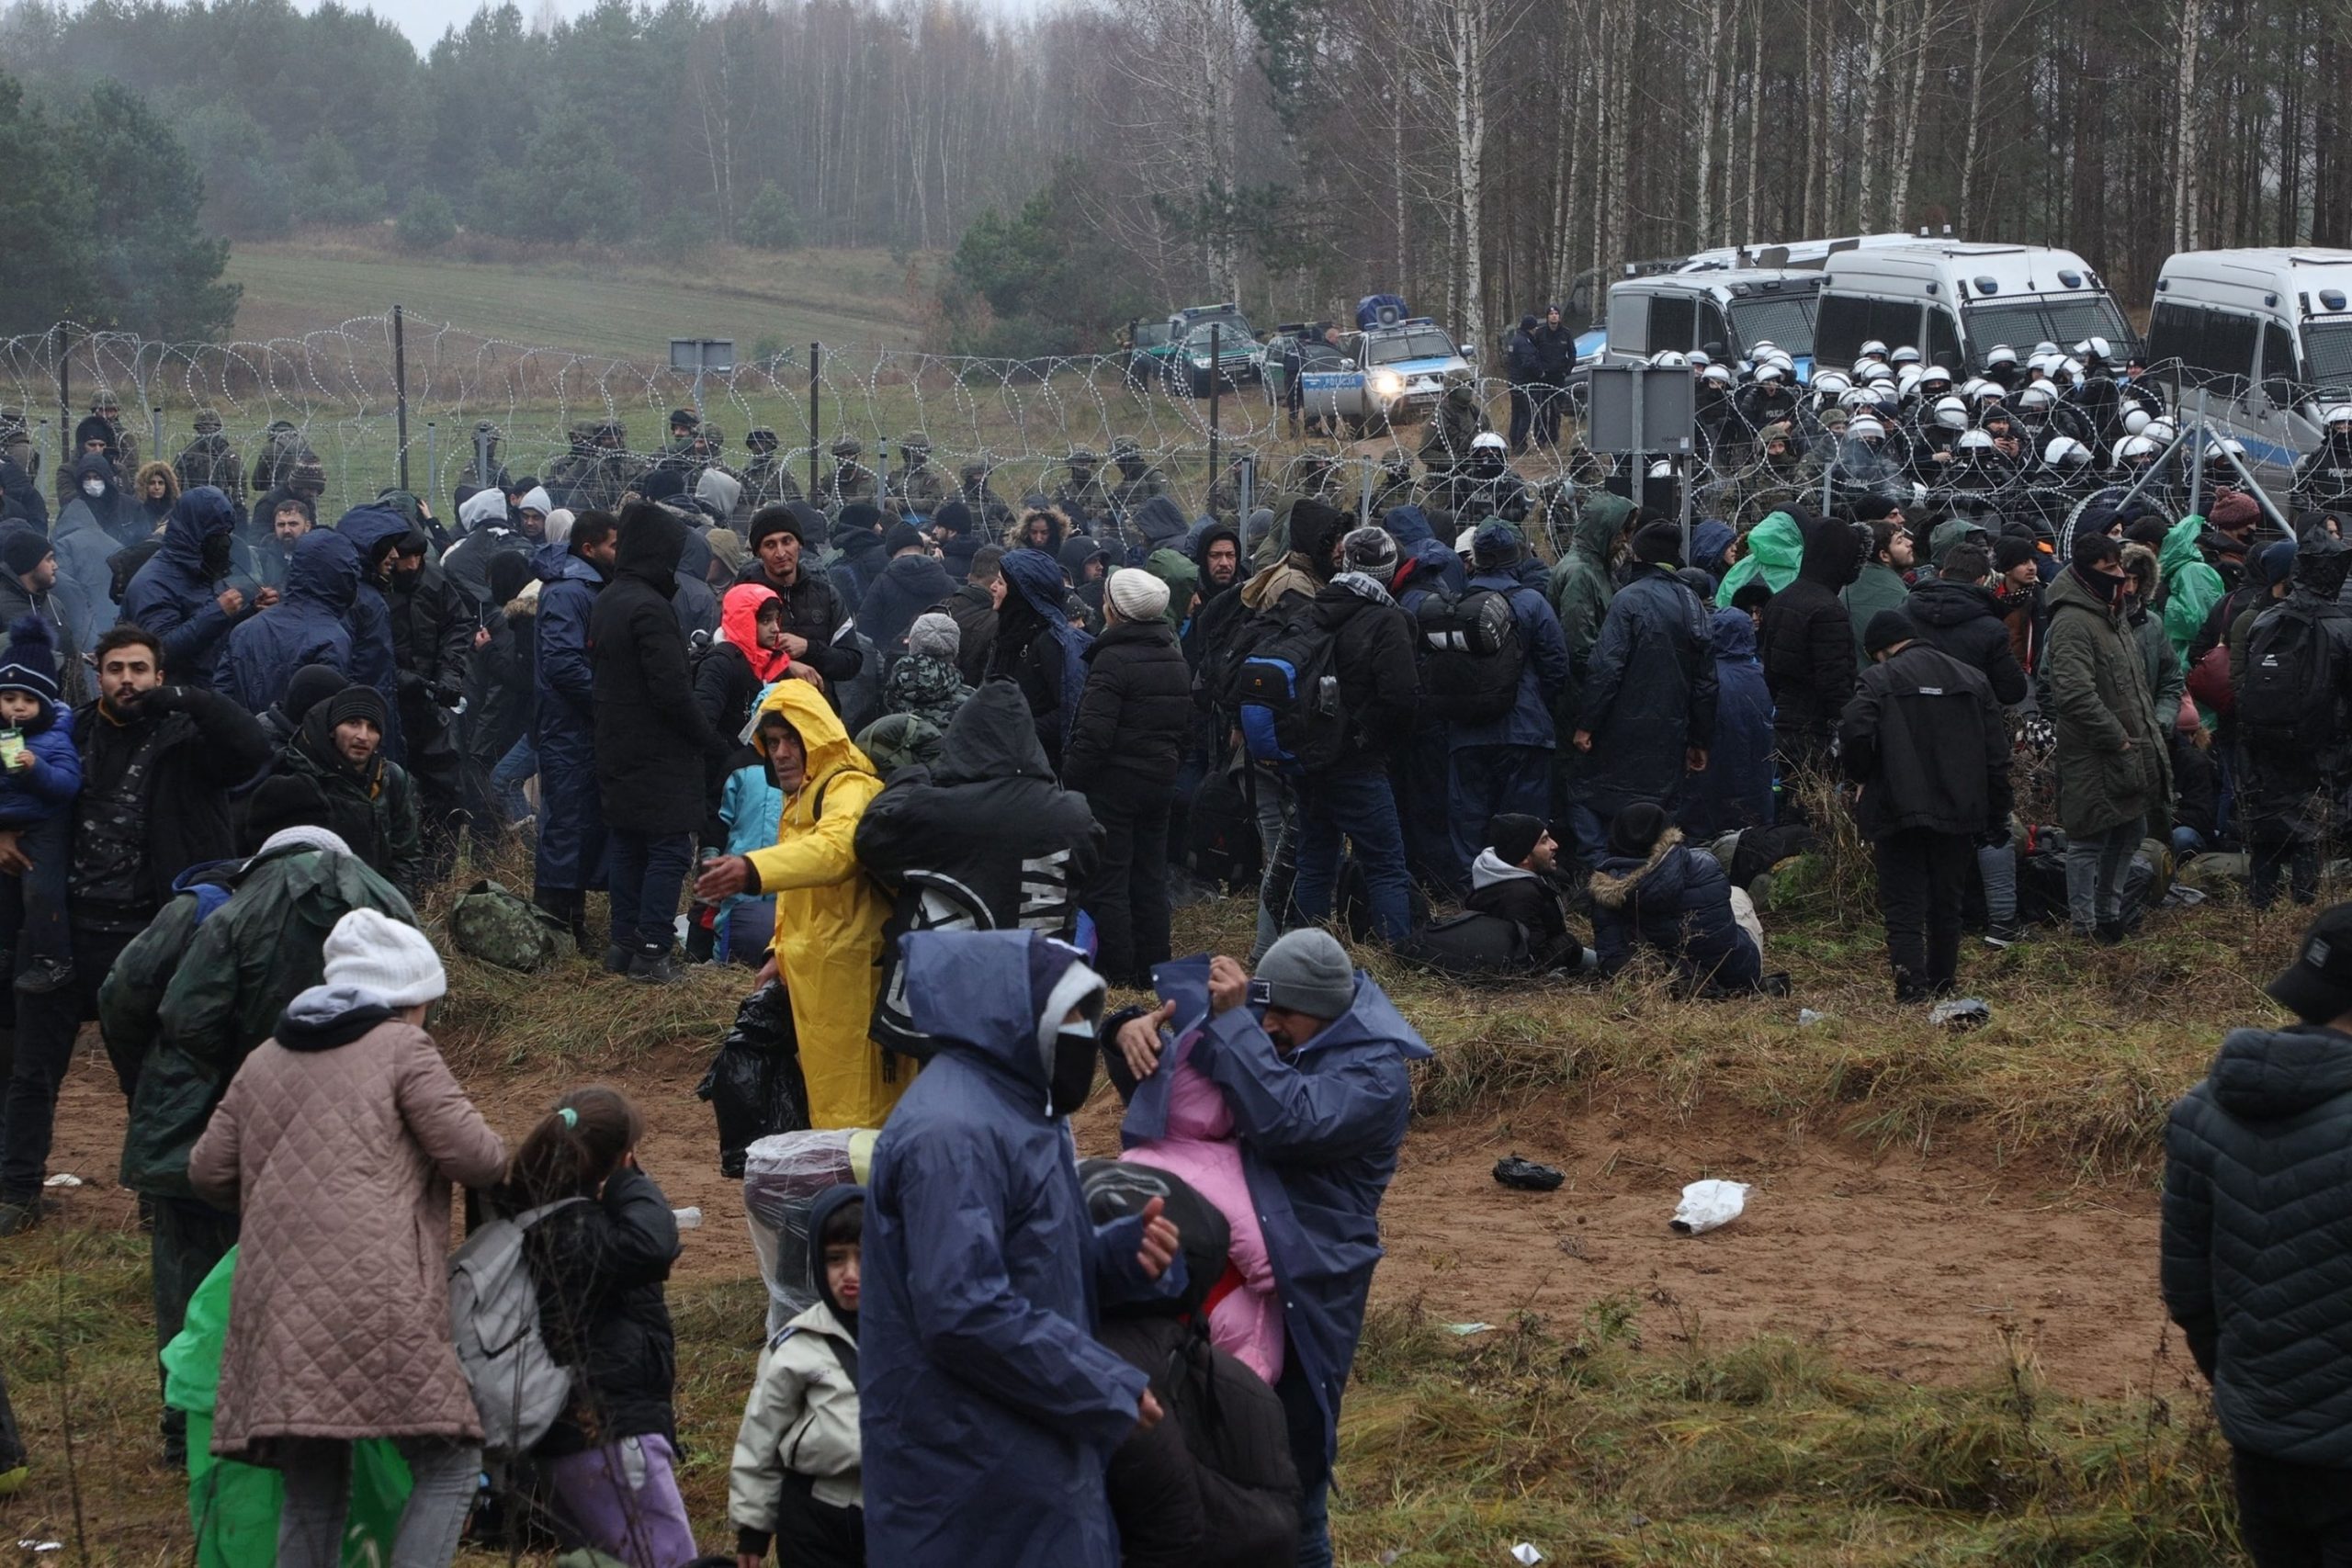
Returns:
(593, 303)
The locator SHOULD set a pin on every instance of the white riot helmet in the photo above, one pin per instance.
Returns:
(1761, 346)
(2070, 368)
(2045, 347)
(2091, 349)
(2002, 355)
(2042, 364)
(1715, 375)
(1987, 392)
(1698, 359)
(1935, 375)
(2339, 413)
(1857, 398)
(1779, 357)
(1668, 359)
(1951, 414)
(1866, 428)
(2066, 453)
(2136, 420)
(1487, 441)
(2133, 448)
(1974, 441)
(1831, 383)
(1874, 349)
(1906, 380)
(2160, 430)
(1770, 375)
(1907, 355)
(2037, 396)
(1662, 470)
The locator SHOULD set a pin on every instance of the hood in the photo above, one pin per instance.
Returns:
(95, 463)
(1037, 578)
(1604, 516)
(371, 529)
(1775, 550)
(554, 563)
(923, 579)
(1733, 634)
(738, 618)
(1409, 525)
(1936, 603)
(822, 1208)
(1210, 533)
(718, 488)
(649, 542)
(2269, 1074)
(1432, 562)
(483, 509)
(323, 569)
(201, 514)
(89, 428)
(1158, 521)
(693, 555)
(820, 728)
(1490, 868)
(1661, 873)
(1313, 528)
(2320, 566)
(988, 993)
(2180, 551)
(855, 539)
(1183, 578)
(992, 736)
(1832, 553)
(1709, 540)
(1946, 535)
(1077, 550)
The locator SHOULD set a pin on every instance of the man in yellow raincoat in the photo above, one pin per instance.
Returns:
(829, 914)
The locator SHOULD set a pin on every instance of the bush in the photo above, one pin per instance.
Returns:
(769, 223)
(427, 222)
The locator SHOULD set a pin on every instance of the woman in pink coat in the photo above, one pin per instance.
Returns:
(338, 1140)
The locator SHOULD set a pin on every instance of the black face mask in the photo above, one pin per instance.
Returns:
(215, 556)
(1072, 1078)
(406, 579)
(2108, 588)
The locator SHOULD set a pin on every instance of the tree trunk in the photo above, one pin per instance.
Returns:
(2184, 147)
(1709, 96)
(1868, 147)
(1975, 119)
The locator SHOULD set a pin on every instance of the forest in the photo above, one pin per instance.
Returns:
(1094, 161)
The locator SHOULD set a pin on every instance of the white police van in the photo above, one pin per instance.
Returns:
(1722, 313)
(1390, 374)
(2266, 335)
(1955, 302)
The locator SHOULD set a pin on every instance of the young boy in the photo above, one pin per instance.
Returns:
(795, 1478)
(41, 772)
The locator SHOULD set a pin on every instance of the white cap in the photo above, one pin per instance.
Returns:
(390, 960)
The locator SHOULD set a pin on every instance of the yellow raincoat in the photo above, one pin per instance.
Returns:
(829, 917)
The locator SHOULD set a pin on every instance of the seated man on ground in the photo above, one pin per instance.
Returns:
(1651, 890)
(1514, 878)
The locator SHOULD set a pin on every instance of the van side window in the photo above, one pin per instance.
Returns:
(2280, 376)
(1629, 316)
(1942, 346)
(1671, 319)
(1839, 329)
(2229, 352)
(1896, 322)
(1712, 328)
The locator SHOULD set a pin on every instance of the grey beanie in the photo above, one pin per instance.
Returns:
(936, 634)
(1307, 971)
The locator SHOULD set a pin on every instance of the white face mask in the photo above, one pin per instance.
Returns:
(93, 488)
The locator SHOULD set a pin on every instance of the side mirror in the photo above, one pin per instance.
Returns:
(1347, 364)
(1469, 351)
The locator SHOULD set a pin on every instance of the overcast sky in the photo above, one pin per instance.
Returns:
(425, 20)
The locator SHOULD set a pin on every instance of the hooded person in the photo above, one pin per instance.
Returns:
(1711, 540)
(371, 803)
(1808, 646)
(993, 1410)
(2192, 586)
(309, 627)
(1216, 558)
(1156, 524)
(569, 856)
(647, 742)
(718, 493)
(858, 557)
(925, 680)
(910, 584)
(1652, 891)
(828, 912)
(1036, 646)
(1775, 551)
(377, 532)
(1961, 618)
(179, 595)
(694, 602)
(1087, 563)
(1735, 790)
(1183, 578)
(2283, 780)
(1582, 584)
(1504, 765)
(1649, 696)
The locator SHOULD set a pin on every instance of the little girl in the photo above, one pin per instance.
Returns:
(599, 1265)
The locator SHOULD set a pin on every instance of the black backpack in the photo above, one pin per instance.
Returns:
(1286, 693)
(2287, 697)
(1470, 654)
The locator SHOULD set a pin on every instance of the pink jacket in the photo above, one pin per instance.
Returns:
(1199, 1148)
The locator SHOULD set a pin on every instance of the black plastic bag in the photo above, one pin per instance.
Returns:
(754, 1087)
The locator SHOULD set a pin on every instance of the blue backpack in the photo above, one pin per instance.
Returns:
(1286, 692)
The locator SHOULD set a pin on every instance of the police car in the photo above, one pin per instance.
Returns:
(1391, 373)
(1177, 351)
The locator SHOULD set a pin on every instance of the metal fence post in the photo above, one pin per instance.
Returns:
(400, 386)
(64, 405)
(815, 349)
(1216, 367)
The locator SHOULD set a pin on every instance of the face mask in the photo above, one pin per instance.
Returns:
(1073, 1073)
(216, 556)
(93, 488)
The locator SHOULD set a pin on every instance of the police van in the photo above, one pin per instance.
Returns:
(1956, 301)
(1391, 372)
(1725, 313)
(2266, 335)
(1586, 301)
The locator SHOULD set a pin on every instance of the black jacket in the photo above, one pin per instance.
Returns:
(813, 610)
(1530, 900)
(599, 1267)
(904, 589)
(973, 609)
(190, 748)
(2257, 1239)
(1927, 742)
(1649, 693)
(984, 840)
(651, 738)
(1961, 619)
(1808, 642)
(1134, 716)
(1380, 686)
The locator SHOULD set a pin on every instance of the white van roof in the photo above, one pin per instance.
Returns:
(2262, 277)
(1726, 283)
(1808, 254)
(1961, 271)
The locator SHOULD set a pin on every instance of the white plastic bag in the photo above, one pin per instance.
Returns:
(1707, 1205)
(782, 1174)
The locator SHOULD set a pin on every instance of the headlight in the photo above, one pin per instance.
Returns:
(1200, 362)
(1388, 384)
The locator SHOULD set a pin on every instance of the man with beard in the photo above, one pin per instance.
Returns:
(179, 595)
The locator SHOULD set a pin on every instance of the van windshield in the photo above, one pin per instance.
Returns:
(1786, 324)
(2327, 352)
(1420, 343)
(2065, 320)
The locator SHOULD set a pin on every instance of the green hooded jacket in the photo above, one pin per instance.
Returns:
(1775, 547)
(2111, 763)
(1580, 587)
(2191, 586)
(194, 993)
(1176, 569)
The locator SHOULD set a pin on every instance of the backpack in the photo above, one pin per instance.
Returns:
(1470, 654)
(496, 926)
(518, 1389)
(2286, 698)
(1286, 692)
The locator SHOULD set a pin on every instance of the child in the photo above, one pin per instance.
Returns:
(41, 776)
(796, 1479)
(599, 1264)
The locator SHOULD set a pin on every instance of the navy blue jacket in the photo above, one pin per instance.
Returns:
(173, 597)
(374, 662)
(563, 681)
(1543, 671)
(1649, 693)
(1735, 790)
(1677, 900)
(988, 1410)
(309, 625)
(1319, 1129)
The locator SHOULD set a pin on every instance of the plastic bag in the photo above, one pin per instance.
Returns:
(1708, 1205)
(234, 1506)
(782, 1176)
(753, 1086)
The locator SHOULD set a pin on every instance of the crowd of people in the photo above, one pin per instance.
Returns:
(941, 766)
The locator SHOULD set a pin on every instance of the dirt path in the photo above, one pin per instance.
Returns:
(1906, 1266)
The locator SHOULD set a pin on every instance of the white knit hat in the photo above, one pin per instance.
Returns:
(1137, 594)
(391, 962)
